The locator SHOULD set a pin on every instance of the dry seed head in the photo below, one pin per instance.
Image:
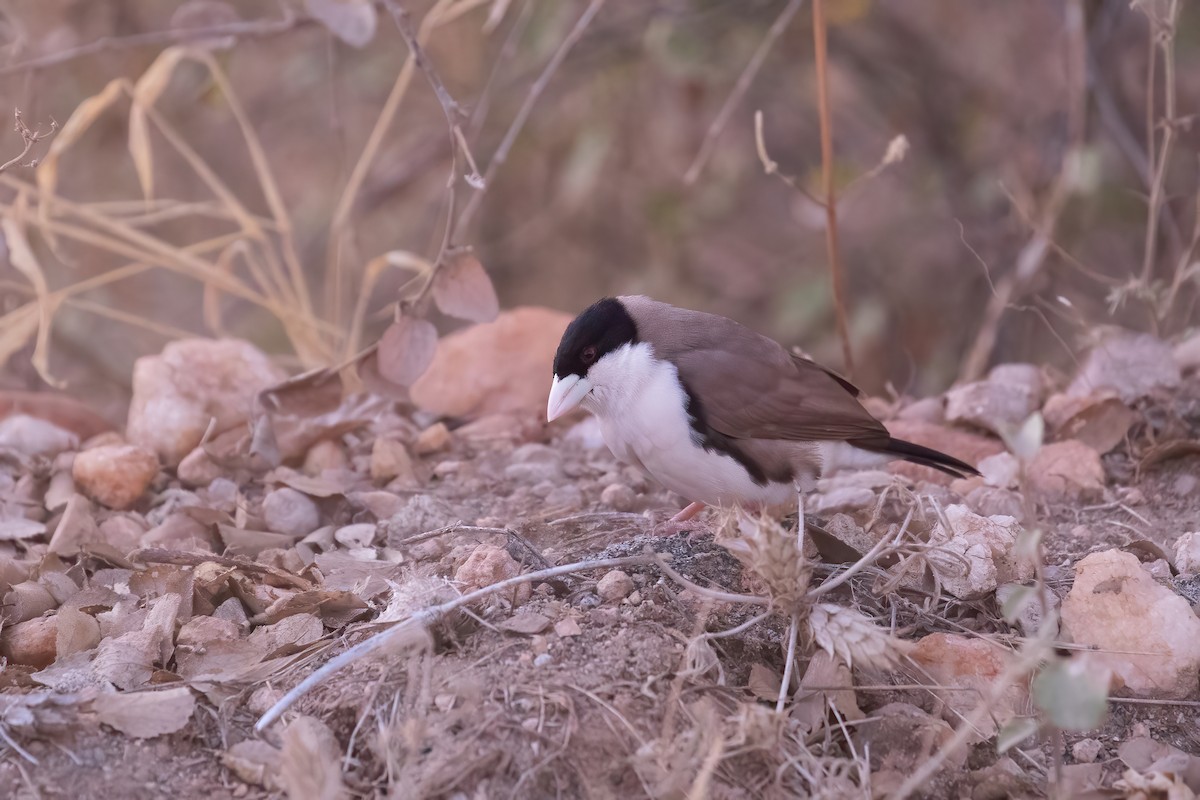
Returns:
(771, 551)
(853, 637)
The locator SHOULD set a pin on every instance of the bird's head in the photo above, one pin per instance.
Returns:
(586, 352)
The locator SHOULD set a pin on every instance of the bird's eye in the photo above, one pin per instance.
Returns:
(588, 355)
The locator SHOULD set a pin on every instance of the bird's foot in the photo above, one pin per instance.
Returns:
(687, 513)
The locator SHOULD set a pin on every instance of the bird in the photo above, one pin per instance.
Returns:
(716, 412)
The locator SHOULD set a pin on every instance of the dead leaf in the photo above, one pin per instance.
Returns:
(462, 288)
(76, 632)
(311, 761)
(764, 682)
(20, 528)
(239, 541)
(336, 607)
(1100, 420)
(527, 623)
(144, 715)
(406, 350)
(1165, 451)
(308, 394)
(76, 528)
(26, 600)
(289, 635)
(352, 21)
(812, 700)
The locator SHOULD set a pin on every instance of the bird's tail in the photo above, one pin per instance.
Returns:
(925, 456)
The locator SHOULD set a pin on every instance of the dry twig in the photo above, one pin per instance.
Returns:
(30, 138)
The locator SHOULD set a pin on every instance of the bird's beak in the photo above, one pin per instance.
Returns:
(565, 394)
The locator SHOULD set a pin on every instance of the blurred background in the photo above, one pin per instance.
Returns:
(1040, 135)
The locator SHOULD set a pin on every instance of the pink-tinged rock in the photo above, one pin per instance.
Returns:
(115, 475)
(1066, 472)
(489, 564)
(192, 382)
(198, 469)
(35, 437)
(970, 447)
(976, 554)
(1145, 633)
(288, 511)
(1131, 364)
(499, 367)
(970, 663)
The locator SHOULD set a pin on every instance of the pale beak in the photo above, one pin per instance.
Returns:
(566, 394)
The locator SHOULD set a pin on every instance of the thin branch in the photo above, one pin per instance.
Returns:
(831, 229)
(739, 90)
(1164, 32)
(30, 138)
(518, 123)
(239, 30)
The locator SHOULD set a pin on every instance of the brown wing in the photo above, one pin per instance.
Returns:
(762, 392)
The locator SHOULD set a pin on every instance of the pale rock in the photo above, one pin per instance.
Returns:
(288, 511)
(568, 496)
(1027, 376)
(493, 429)
(35, 438)
(533, 472)
(197, 469)
(586, 433)
(1145, 633)
(958, 662)
(1002, 470)
(353, 536)
(115, 475)
(1131, 364)
(985, 544)
(434, 438)
(1187, 552)
(1086, 751)
(381, 505)
(489, 564)
(499, 367)
(991, 405)
(1065, 472)
(614, 586)
(618, 497)
(839, 499)
(390, 461)
(193, 382)
(901, 737)
(325, 455)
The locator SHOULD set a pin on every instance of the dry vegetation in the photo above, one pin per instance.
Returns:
(349, 558)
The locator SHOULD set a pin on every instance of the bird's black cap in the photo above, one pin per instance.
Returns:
(601, 328)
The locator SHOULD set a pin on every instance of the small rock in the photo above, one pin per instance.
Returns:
(1002, 470)
(618, 497)
(995, 407)
(533, 473)
(1131, 364)
(493, 428)
(197, 469)
(288, 511)
(586, 433)
(35, 437)
(360, 535)
(115, 475)
(490, 564)
(496, 368)
(988, 501)
(381, 505)
(1187, 552)
(1085, 751)
(432, 439)
(1027, 376)
(1066, 472)
(32, 643)
(839, 499)
(1119, 609)
(985, 544)
(634, 599)
(959, 662)
(390, 461)
(567, 627)
(900, 737)
(191, 383)
(614, 586)
(543, 659)
(324, 455)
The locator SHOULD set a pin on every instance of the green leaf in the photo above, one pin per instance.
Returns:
(1014, 732)
(1074, 697)
(1018, 598)
(1026, 546)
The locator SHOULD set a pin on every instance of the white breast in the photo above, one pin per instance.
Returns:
(642, 406)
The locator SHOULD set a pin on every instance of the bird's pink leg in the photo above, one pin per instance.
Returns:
(692, 510)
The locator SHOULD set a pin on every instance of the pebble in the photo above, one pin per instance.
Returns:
(291, 512)
(543, 659)
(434, 438)
(115, 475)
(35, 437)
(1086, 751)
(618, 497)
(390, 461)
(197, 469)
(614, 586)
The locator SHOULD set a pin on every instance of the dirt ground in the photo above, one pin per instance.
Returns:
(554, 691)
